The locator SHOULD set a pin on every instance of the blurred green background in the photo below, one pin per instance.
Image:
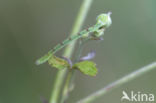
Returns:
(29, 28)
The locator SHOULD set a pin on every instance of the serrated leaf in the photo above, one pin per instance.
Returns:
(58, 62)
(86, 67)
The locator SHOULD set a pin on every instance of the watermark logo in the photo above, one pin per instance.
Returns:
(137, 97)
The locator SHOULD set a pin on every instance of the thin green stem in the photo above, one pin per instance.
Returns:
(118, 83)
(69, 83)
(69, 50)
(66, 88)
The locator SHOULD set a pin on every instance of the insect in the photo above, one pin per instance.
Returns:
(103, 21)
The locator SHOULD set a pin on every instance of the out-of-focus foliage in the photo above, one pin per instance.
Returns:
(29, 28)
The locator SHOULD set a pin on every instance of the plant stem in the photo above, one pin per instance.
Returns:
(118, 83)
(66, 87)
(68, 50)
(69, 83)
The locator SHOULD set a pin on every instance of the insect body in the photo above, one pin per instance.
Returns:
(103, 22)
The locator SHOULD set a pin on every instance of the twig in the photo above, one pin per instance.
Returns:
(118, 83)
(69, 49)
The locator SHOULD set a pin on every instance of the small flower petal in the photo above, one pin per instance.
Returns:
(89, 56)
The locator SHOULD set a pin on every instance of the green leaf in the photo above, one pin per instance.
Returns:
(86, 67)
(58, 62)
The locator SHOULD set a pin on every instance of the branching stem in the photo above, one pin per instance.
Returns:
(69, 49)
(69, 83)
